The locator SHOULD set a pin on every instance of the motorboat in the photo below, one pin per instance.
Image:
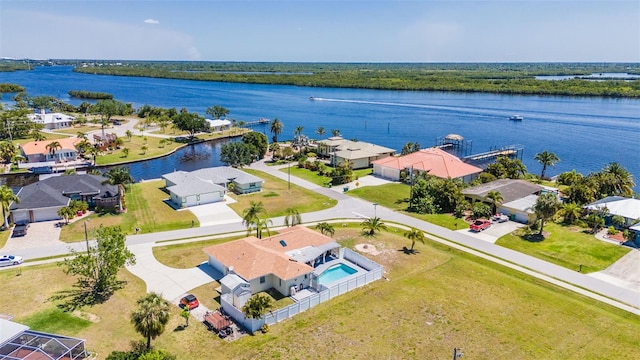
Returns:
(516, 118)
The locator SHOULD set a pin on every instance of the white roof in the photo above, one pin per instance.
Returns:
(626, 207)
(218, 122)
(524, 204)
(50, 118)
(10, 329)
(232, 281)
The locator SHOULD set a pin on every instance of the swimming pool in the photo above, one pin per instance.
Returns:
(335, 272)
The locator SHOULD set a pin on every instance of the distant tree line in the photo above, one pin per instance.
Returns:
(84, 94)
(491, 78)
(10, 88)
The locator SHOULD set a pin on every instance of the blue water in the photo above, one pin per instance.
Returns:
(585, 133)
(334, 273)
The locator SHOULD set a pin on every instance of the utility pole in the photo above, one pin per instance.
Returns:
(86, 237)
(289, 178)
(457, 353)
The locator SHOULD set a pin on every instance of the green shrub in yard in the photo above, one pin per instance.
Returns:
(612, 230)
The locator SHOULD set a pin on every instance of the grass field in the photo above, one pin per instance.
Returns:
(145, 210)
(434, 301)
(276, 197)
(313, 177)
(154, 149)
(569, 247)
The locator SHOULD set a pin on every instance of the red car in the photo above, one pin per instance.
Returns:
(480, 224)
(189, 301)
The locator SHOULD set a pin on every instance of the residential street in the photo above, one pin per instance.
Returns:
(619, 294)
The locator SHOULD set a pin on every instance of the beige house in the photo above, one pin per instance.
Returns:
(361, 154)
(284, 262)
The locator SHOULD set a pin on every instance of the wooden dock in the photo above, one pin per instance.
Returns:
(510, 151)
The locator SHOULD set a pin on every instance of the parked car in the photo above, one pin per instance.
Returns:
(8, 260)
(480, 225)
(500, 218)
(20, 230)
(189, 301)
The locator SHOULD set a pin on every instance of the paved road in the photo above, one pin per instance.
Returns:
(353, 208)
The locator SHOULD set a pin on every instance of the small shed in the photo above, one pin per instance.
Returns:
(216, 320)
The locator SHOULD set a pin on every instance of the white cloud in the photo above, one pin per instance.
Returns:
(152, 21)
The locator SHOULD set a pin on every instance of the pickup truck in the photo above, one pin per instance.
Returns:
(480, 225)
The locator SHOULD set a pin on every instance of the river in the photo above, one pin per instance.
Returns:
(586, 133)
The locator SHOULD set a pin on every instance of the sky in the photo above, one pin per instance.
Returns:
(323, 31)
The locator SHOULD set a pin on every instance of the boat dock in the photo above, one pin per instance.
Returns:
(510, 151)
(261, 121)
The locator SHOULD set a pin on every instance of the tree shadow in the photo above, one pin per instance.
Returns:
(408, 251)
(180, 328)
(81, 296)
(402, 201)
(534, 238)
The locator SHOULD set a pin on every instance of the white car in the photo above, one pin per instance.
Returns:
(500, 218)
(8, 260)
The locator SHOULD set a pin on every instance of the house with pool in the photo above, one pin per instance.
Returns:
(298, 262)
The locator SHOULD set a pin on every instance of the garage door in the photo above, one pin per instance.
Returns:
(46, 214)
(21, 216)
(522, 217)
(191, 200)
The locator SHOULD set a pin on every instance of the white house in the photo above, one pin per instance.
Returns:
(218, 124)
(52, 120)
(359, 153)
(628, 208)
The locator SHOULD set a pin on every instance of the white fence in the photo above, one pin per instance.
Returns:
(326, 293)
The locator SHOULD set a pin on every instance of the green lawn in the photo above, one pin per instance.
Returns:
(306, 174)
(395, 196)
(145, 210)
(566, 246)
(276, 197)
(154, 149)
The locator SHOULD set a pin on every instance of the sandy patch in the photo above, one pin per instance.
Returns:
(367, 249)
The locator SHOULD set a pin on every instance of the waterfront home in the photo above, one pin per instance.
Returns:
(628, 208)
(41, 201)
(358, 153)
(208, 185)
(433, 161)
(52, 121)
(218, 124)
(518, 197)
(17, 342)
(43, 151)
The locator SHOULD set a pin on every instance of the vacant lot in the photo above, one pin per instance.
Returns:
(276, 197)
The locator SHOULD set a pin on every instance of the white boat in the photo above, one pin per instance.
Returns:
(516, 118)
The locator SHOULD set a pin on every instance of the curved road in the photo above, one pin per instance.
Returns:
(352, 208)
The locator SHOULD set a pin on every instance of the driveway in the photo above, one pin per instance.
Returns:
(39, 234)
(495, 231)
(215, 214)
(624, 272)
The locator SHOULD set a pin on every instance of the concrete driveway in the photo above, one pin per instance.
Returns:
(215, 214)
(624, 272)
(493, 233)
(40, 234)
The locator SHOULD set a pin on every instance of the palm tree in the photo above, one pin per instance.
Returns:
(251, 215)
(326, 229)
(298, 131)
(6, 198)
(619, 180)
(496, 199)
(52, 147)
(129, 135)
(414, 235)
(276, 129)
(66, 213)
(335, 132)
(151, 316)
(261, 225)
(320, 131)
(118, 176)
(257, 306)
(82, 135)
(570, 212)
(38, 136)
(372, 225)
(293, 217)
(546, 158)
(545, 207)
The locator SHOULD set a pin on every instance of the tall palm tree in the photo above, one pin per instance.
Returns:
(372, 225)
(298, 130)
(293, 217)
(618, 179)
(546, 158)
(151, 316)
(326, 229)
(52, 147)
(335, 132)
(251, 215)
(570, 212)
(496, 199)
(414, 235)
(6, 198)
(261, 225)
(276, 129)
(118, 176)
(320, 131)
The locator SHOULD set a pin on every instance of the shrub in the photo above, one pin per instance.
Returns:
(612, 230)
(264, 328)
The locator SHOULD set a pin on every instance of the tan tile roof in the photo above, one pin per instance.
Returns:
(40, 147)
(435, 161)
(252, 257)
